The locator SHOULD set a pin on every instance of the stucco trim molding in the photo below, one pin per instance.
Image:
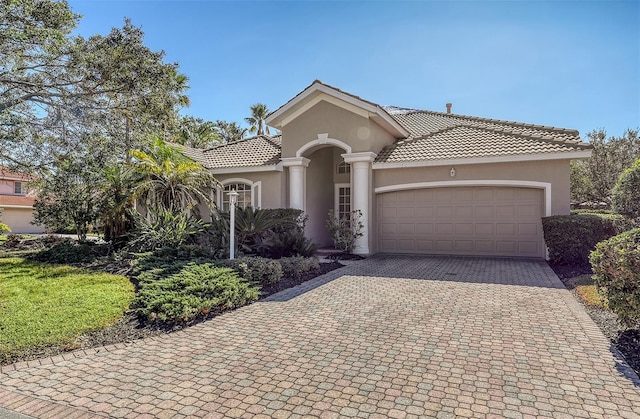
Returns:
(453, 183)
(323, 139)
(480, 160)
(365, 156)
(295, 161)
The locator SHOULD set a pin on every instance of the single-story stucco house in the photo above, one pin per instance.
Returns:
(425, 182)
(16, 202)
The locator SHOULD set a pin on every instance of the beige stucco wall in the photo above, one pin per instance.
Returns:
(19, 220)
(362, 134)
(555, 172)
(320, 195)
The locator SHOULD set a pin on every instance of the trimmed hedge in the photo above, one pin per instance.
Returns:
(616, 267)
(192, 292)
(255, 269)
(570, 238)
(296, 266)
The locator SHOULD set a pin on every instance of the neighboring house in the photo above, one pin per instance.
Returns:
(16, 202)
(426, 182)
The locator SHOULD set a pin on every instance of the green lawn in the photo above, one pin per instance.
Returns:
(43, 305)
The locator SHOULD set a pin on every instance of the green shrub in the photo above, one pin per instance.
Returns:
(295, 267)
(626, 194)
(71, 251)
(570, 238)
(271, 233)
(192, 292)
(616, 267)
(255, 269)
(4, 228)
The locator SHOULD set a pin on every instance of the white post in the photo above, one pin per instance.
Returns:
(233, 196)
(297, 170)
(361, 191)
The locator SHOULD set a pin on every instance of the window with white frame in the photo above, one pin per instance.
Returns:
(244, 198)
(343, 201)
(343, 167)
(18, 188)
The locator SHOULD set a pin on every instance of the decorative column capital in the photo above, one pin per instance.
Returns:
(295, 161)
(364, 156)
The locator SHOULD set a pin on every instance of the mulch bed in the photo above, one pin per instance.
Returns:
(625, 340)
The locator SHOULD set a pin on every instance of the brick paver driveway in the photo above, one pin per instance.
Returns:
(389, 336)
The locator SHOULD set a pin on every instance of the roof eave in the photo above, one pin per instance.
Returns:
(568, 155)
(246, 169)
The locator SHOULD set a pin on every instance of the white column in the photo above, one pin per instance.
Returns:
(297, 172)
(361, 193)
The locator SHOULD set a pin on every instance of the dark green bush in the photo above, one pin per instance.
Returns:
(616, 267)
(271, 233)
(626, 194)
(192, 292)
(255, 269)
(570, 238)
(296, 266)
(71, 251)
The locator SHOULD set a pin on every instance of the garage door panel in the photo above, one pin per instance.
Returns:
(463, 195)
(464, 246)
(528, 211)
(444, 245)
(485, 246)
(528, 247)
(464, 211)
(527, 229)
(471, 220)
(425, 246)
(505, 211)
(484, 211)
(444, 228)
(425, 212)
(407, 229)
(464, 229)
(444, 212)
(424, 228)
(484, 228)
(406, 212)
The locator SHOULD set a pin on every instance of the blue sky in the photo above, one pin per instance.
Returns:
(571, 64)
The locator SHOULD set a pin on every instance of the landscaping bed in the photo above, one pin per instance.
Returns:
(132, 326)
(625, 340)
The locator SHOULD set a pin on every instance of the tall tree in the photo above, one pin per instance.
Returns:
(592, 180)
(196, 133)
(62, 95)
(229, 131)
(259, 113)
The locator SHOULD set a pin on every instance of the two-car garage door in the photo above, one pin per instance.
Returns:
(495, 221)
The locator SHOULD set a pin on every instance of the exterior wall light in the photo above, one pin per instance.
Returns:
(453, 172)
(233, 198)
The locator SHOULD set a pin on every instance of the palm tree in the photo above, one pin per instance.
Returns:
(229, 131)
(170, 180)
(259, 113)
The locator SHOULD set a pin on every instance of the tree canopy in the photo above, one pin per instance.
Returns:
(62, 94)
(593, 179)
